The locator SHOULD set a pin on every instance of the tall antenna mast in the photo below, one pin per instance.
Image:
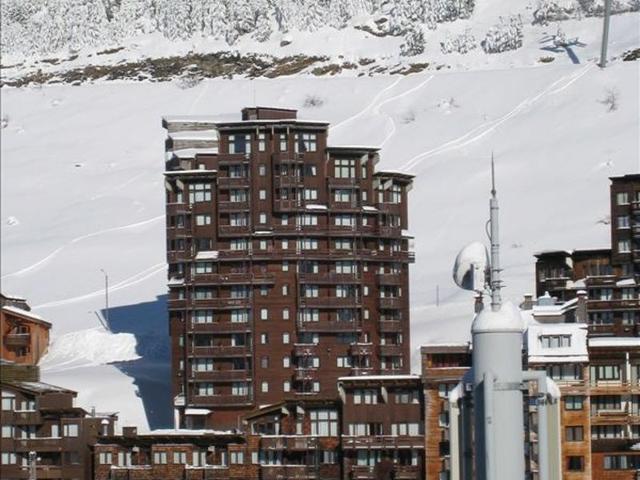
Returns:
(494, 282)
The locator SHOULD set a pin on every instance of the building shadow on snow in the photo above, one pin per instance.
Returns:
(152, 373)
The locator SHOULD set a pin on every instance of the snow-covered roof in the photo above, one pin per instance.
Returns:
(199, 171)
(369, 208)
(24, 313)
(312, 206)
(394, 173)
(40, 387)
(263, 232)
(575, 351)
(211, 134)
(614, 342)
(353, 147)
(626, 282)
(197, 411)
(186, 153)
(554, 310)
(207, 255)
(175, 281)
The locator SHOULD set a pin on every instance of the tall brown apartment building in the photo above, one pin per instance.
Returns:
(288, 264)
(24, 336)
(609, 276)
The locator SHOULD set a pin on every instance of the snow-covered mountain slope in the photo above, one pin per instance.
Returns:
(71, 41)
(82, 190)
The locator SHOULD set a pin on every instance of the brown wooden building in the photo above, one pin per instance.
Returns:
(41, 418)
(288, 264)
(24, 336)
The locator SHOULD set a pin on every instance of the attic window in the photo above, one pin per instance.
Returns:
(555, 341)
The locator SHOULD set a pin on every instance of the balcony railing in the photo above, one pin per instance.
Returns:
(234, 278)
(220, 351)
(391, 350)
(233, 181)
(389, 279)
(386, 231)
(383, 441)
(234, 229)
(221, 400)
(400, 472)
(390, 326)
(231, 206)
(302, 374)
(221, 375)
(330, 302)
(360, 349)
(222, 303)
(387, 207)
(331, 278)
(220, 327)
(17, 339)
(287, 472)
(328, 326)
(391, 302)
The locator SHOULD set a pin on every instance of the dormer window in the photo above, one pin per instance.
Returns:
(555, 341)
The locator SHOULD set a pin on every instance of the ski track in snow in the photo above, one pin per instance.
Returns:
(127, 282)
(378, 108)
(43, 261)
(486, 128)
(368, 107)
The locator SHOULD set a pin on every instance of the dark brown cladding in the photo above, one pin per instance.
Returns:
(41, 418)
(288, 264)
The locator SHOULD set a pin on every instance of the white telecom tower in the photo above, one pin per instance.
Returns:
(494, 387)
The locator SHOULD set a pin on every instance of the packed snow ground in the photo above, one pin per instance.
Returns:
(82, 190)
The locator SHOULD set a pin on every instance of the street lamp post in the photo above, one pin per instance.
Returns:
(106, 297)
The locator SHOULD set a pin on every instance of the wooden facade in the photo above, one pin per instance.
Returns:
(24, 336)
(288, 264)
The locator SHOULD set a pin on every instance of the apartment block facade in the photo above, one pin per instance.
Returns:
(608, 276)
(24, 336)
(288, 264)
(45, 435)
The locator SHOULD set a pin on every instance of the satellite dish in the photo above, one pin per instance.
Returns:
(472, 267)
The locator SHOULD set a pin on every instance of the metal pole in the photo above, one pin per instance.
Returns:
(496, 299)
(605, 33)
(106, 297)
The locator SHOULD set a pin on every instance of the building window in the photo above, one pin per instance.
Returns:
(70, 429)
(408, 396)
(308, 219)
(203, 365)
(285, 338)
(204, 389)
(308, 244)
(608, 431)
(311, 194)
(180, 457)
(575, 464)
(344, 168)
(203, 267)
(306, 142)
(239, 388)
(285, 292)
(345, 220)
(262, 170)
(324, 423)
(286, 362)
(262, 194)
(285, 266)
(286, 386)
(160, 458)
(574, 434)
(283, 142)
(604, 372)
(264, 387)
(8, 458)
(239, 316)
(262, 142)
(7, 431)
(573, 402)
(624, 246)
(240, 143)
(623, 222)
(565, 372)
(238, 244)
(264, 338)
(310, 291)
(316, 387)
(105, 458)
(344, 362)
(264, 314)
(8, 402)
(262, 219)
(395, 194)
(285, 314)
(412, 429)
(199, 192)
(203, 219)
(264, 362)
(555, 341)
(622, 198)
(342, 195)
(368, 396)
(236, 457)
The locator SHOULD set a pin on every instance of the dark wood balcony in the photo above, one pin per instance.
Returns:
(387, 231)
(18, 417)
(233, 230)
(391, 303)
(287, 472)
(43, 444)
(231, 206)
(330, 302)
(390, 326)
(178, 209)
(389, 279)
(288, 205)
(330, 278)
(232, 182)
(305, 349)
(288, 181)
(177, 303)
(221, 400)
(343, 182)
(391, 350)
(220, 327)
(304, 374)
(289, 443)
(178, 256)
(221, 375)
(17, 339)
(328, 326)
(360, 349)
(234, 278)
(392, 208)
(399, 472)
(224, 303)
(383, 441)
(220, 351)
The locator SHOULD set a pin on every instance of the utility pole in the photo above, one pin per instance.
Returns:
(605, 33)
(106, 297)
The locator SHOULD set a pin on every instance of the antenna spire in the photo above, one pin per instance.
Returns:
(494, 283)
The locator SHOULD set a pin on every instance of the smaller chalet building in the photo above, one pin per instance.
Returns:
(24, 336)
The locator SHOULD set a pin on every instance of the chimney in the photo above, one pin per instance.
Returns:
(527, 304)
(478, 305)
(581, 307)
(129, 432)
